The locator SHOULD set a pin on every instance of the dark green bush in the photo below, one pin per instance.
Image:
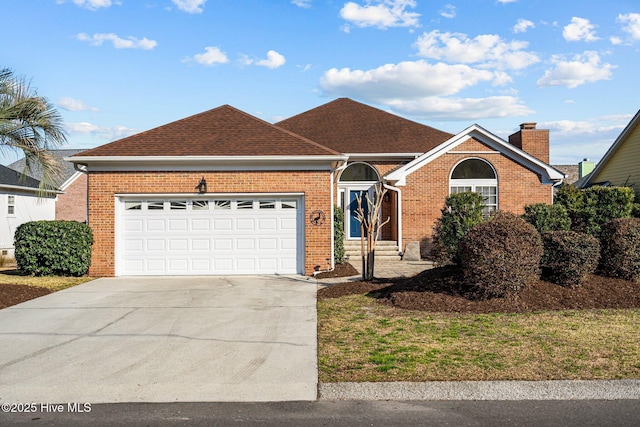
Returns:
(620, 249)
(502, 255)
(591, 208)
(338, 235)
(635, 211)
(46, 248)
(461, 212)
(547, 217)
(569, 257)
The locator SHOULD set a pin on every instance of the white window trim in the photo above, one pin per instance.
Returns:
(473, 183)
(11, 205)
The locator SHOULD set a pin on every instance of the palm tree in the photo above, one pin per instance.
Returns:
(31, 124)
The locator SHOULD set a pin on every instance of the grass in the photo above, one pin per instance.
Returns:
(360, 339)
(53, 283)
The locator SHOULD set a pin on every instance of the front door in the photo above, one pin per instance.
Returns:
(354, 224)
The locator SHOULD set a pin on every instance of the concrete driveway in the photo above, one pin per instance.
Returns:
(163, 339)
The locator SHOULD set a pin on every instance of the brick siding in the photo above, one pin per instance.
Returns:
(72, 205)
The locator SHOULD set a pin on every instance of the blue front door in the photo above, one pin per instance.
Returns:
(354, 224)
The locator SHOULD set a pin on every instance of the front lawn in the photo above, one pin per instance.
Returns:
(16, 287)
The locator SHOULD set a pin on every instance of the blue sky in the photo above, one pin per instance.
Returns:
(118, 67)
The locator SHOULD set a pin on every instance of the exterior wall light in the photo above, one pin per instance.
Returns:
(202, 186)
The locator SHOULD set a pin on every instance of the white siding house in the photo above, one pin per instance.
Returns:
(20, 203)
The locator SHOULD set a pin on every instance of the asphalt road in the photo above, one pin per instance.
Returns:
(583, 413)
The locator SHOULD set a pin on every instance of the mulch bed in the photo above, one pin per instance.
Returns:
(442, 290)
(341, 270)
(15, 294)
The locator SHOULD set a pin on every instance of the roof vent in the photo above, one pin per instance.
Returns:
(530, 125)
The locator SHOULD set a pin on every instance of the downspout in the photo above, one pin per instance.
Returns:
(83, 169)
(333, 243)
(398, 213)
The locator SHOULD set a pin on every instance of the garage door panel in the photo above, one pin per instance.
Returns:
(231, 236)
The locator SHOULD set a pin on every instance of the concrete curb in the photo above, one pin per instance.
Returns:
(483, 390)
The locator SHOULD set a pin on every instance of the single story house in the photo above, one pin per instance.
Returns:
(20, 202)
(71, 202)
(620, 165)
(223, 192)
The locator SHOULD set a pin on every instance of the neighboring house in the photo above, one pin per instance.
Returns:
(223, 192)
(620, 165)
(71, 203)
(20, 202)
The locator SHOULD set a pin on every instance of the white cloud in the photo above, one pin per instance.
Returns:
(449, 11)
(118, 42)
(190, 6)
(71, 104)
(302, 3)
(615, 40)
(93, 4)
(381, 14)
(449, 109)
(579, 29)
(212, 55)
(582, 69)
(274, 60)
(408, 79)
(506, 1)
(488, 50)
(523, 25)
(631, 24)
(109, 133)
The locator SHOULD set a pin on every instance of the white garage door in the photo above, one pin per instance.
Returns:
(200, 236)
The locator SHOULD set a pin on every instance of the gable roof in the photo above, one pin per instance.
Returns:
(67, 170)
(547, 173)
(587, 181)
(351, 127)
(13, 178)
(221, 132)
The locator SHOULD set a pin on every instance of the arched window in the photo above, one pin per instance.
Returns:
(359, 172)
(476, 175)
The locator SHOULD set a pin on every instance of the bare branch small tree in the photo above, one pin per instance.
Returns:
(370, 225)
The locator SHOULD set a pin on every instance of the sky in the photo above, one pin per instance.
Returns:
(114, 68)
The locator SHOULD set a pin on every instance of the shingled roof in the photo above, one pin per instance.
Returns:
(223, 131)
(66, 172)
(351, 127)
(14, 178)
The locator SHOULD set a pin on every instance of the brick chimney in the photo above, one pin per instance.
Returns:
(531, 140)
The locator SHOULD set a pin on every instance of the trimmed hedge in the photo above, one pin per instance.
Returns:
(635, 211)
(461, 212)
(569, 257)
(338, 235)
(47, 248)
(590, 209)
(620, 249)
(547, 217)
(502, 255)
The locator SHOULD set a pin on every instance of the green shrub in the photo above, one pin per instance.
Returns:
(46, 248)
(635, 210)
(461, 212)
(572, 199)
(547, 217)
(502, 255)
(569, 257)
(591, 208)
(603, 204)
(338, 235)
(620, 249)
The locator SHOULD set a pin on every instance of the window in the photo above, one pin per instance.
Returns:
(155, 205)
(245, 204)
(200, 205)
(289, 204)
(179, 205)
(222, 204)
(359, 172)
(133, 205)
(479, 176)
(11, 205)
(267, 204)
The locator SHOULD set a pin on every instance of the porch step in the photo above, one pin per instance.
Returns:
(386, 250)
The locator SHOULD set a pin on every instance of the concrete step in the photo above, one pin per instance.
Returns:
(386, 250)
